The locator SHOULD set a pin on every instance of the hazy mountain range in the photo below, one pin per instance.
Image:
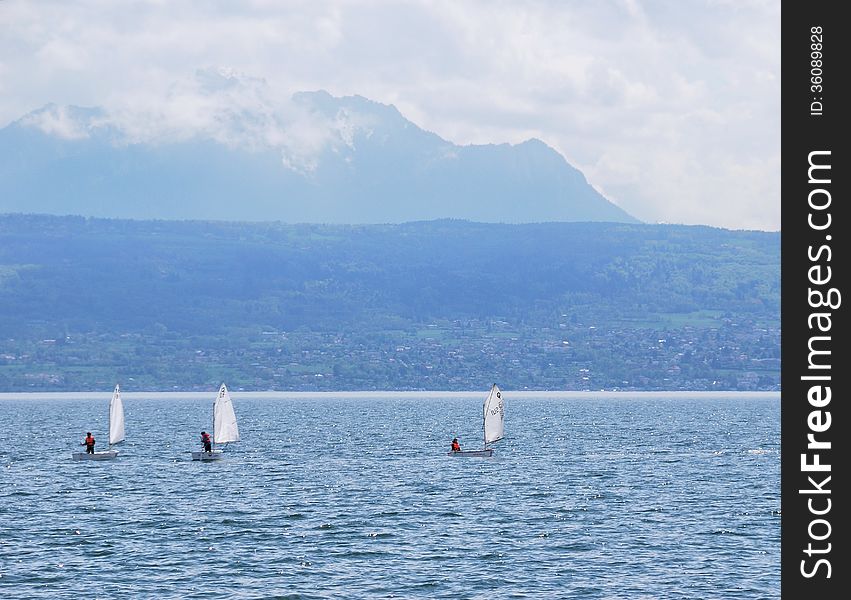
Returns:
(312, 158)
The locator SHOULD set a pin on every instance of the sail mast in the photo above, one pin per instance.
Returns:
(109, 425)
(485, 419)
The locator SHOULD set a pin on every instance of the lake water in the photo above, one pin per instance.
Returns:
(618, 496)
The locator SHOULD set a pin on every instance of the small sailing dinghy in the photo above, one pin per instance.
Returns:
(116, 431)
(493, 424)
(224, 426)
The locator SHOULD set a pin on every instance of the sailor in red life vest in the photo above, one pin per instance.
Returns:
(456, 447)
(205, 439)
(89, 443)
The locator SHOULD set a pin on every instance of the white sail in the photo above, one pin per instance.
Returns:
(494, 415)
(224, 419)
(116, 418)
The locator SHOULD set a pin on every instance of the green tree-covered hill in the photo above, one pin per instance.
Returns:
(162, 305)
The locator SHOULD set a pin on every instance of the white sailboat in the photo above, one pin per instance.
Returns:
(116, 431)
(225, 429)
(493, 424)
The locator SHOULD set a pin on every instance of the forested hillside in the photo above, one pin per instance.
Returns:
(161, 305)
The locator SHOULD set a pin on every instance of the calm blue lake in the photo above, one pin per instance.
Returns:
(354, 497)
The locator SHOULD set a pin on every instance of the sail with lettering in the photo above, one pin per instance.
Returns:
(225, 429)
(494, 416)
(116, 418)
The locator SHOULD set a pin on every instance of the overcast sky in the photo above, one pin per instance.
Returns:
(671, 108)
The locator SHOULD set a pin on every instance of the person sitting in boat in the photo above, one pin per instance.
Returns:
(456, 447)
(205, 439)
(89, 443)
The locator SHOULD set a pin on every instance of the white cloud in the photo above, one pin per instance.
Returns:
(55, 120)
(670, 107)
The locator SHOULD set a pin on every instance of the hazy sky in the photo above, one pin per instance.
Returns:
(671, 108)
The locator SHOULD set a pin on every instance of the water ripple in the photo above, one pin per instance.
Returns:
(342, 498)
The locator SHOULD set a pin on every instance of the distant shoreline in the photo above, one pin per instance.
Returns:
(385, 394)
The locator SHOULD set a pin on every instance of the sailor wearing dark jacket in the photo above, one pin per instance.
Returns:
(205, 440)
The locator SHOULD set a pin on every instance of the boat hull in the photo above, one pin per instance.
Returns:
(202, 455)
(104, 455)
(486, 452)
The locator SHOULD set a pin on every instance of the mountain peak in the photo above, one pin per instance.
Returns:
(225, 148)
(323, 102)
